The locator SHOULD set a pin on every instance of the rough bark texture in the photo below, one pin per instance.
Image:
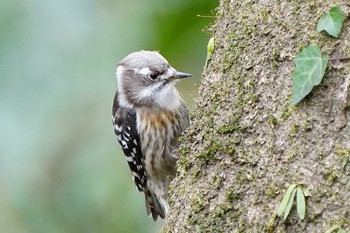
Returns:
(247, 144)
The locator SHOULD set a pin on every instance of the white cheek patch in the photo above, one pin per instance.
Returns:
(122, 100)
(166, 97)
(144, 71)
(119, 73)
(149, 91)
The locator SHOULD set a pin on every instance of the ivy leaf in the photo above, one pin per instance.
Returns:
(310, 68)
(332, 22)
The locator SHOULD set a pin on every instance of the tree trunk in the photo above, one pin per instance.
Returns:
(247, 144)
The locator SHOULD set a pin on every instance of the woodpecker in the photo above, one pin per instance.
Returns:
(149, 115)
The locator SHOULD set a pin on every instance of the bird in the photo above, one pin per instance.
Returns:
(149, 115)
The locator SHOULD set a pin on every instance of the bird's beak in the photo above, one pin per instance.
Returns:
(178, 75)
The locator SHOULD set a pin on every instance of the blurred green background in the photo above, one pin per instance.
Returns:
(61, 168)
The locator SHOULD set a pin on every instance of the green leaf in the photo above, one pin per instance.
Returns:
(285, 200)
(332, 228)
(332, 22)
(301, 203)
(210, 50)
(289, 205)
(306, 192)
(310, 68)
(210, 46)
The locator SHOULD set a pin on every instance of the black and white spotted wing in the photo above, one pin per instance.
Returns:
(124, 121)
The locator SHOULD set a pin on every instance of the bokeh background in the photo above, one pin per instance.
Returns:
(61, 169)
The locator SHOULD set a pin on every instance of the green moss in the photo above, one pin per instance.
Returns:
(229, 150)
(271, 224)
(231, 194)
(209, 152)
(197, 204)
(291, 154)
(242, 177)
(311, 217)
(252, 98)
(274, 121)
(184, 161)
(215, 180)
(341, 151)
(221, 210)
(343, 154)
(184, 150)
(272, 191)
(331, 177)
(294, 128)
(265, 15)
(296, 8)
(196, 173)
(224, 129)
(276, 54)
(288, 110)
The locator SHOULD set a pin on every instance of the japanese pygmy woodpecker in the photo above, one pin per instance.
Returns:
(149, 115)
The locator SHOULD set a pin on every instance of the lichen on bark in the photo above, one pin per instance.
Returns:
(247, 144)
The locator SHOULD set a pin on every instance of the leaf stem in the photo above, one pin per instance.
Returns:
(338, 58)
(207, 16)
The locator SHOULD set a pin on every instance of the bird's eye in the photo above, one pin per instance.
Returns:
(153, 75)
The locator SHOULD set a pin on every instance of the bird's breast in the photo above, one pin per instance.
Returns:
(159, 130)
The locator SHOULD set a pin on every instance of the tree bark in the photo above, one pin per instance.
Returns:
(247, 144)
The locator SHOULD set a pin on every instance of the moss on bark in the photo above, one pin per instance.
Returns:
(247, 144)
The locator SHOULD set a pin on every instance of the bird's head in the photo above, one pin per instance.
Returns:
(145, 78)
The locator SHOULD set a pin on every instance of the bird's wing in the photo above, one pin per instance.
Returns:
(125, 128)
(124, 122)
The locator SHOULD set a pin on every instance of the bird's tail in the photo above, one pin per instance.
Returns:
(154, 206)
